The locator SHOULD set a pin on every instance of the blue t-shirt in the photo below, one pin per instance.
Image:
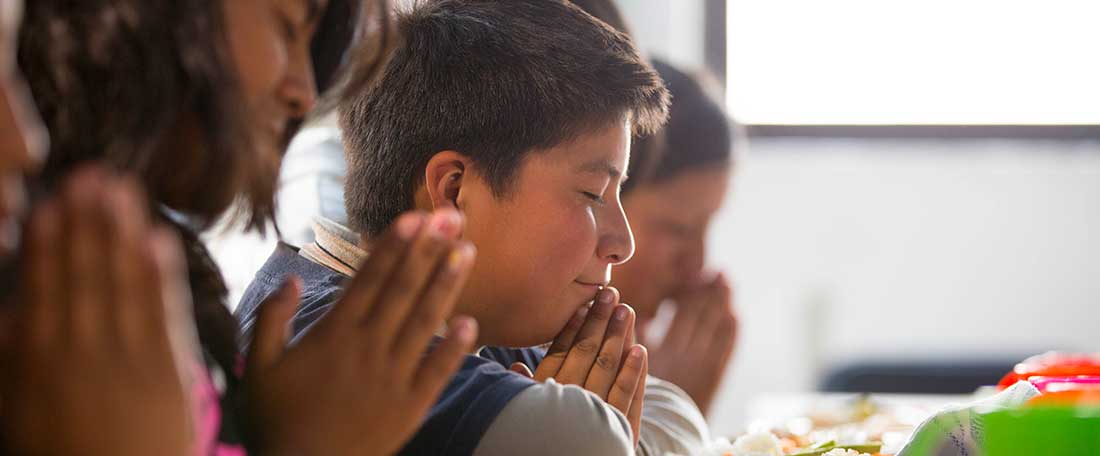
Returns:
(506, 356)
(468, 405)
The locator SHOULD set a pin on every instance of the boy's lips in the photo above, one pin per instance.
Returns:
(591, 286)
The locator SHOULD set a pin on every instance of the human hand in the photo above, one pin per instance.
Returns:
(596, 351)
(699, 342)
(99, 358)
(358, 382)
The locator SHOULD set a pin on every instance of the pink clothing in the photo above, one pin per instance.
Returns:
(206, 404)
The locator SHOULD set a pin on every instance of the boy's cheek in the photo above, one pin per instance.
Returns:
(549, 247)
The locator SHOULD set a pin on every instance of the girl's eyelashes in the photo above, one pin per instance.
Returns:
(290, 30)
(295, 25)
(675, 228)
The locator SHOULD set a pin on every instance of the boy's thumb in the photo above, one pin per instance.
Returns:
(521, 369)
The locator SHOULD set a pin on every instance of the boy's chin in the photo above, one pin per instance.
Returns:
(528, 337)
(530, 342)
(532, 322)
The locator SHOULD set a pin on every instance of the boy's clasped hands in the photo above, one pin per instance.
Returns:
(596, 351)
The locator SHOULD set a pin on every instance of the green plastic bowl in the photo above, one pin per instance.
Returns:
(1046, 430)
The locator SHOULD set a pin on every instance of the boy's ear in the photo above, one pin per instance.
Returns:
(444, 176)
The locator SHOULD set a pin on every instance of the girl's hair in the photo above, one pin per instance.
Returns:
(115, 79)
(698, 133)
(605, 10)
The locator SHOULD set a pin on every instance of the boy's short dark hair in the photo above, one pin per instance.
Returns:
(493, 80)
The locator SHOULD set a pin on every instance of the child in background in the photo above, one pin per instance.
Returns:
(681, 179)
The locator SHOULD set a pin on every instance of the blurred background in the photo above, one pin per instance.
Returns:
(919, 194)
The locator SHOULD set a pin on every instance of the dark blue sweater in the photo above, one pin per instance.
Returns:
(469, 404)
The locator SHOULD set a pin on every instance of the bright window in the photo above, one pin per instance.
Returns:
(914, 62)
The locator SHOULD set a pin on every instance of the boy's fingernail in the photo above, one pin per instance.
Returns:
(292, 284)
(441, 224)
(636, 352)
(465, 329)
(408, 225)
(460, 256)
(605, 296)
(621, 313)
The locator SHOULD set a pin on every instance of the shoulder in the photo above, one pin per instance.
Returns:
(552, 418)
(321, 287)
(671, 422)
(471, 401)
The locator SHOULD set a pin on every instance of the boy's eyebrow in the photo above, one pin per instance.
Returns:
(603, 167)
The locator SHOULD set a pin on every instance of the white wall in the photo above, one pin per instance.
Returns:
(670, 29)
(846, 249)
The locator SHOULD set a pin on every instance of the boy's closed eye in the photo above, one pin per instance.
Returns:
(596, 198)
(609, 175)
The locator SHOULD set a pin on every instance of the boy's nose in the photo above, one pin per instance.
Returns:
(616, 244)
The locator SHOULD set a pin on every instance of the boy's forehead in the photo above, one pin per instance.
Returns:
(597, 153)
(598, 150)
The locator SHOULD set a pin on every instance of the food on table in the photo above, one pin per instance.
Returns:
(866, 423)
(1083, 397)
(845, 452)
(1063, 378)
(757, 444)
(765, 443)
(1053, 364)
(1060, 384)
(831, 448)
